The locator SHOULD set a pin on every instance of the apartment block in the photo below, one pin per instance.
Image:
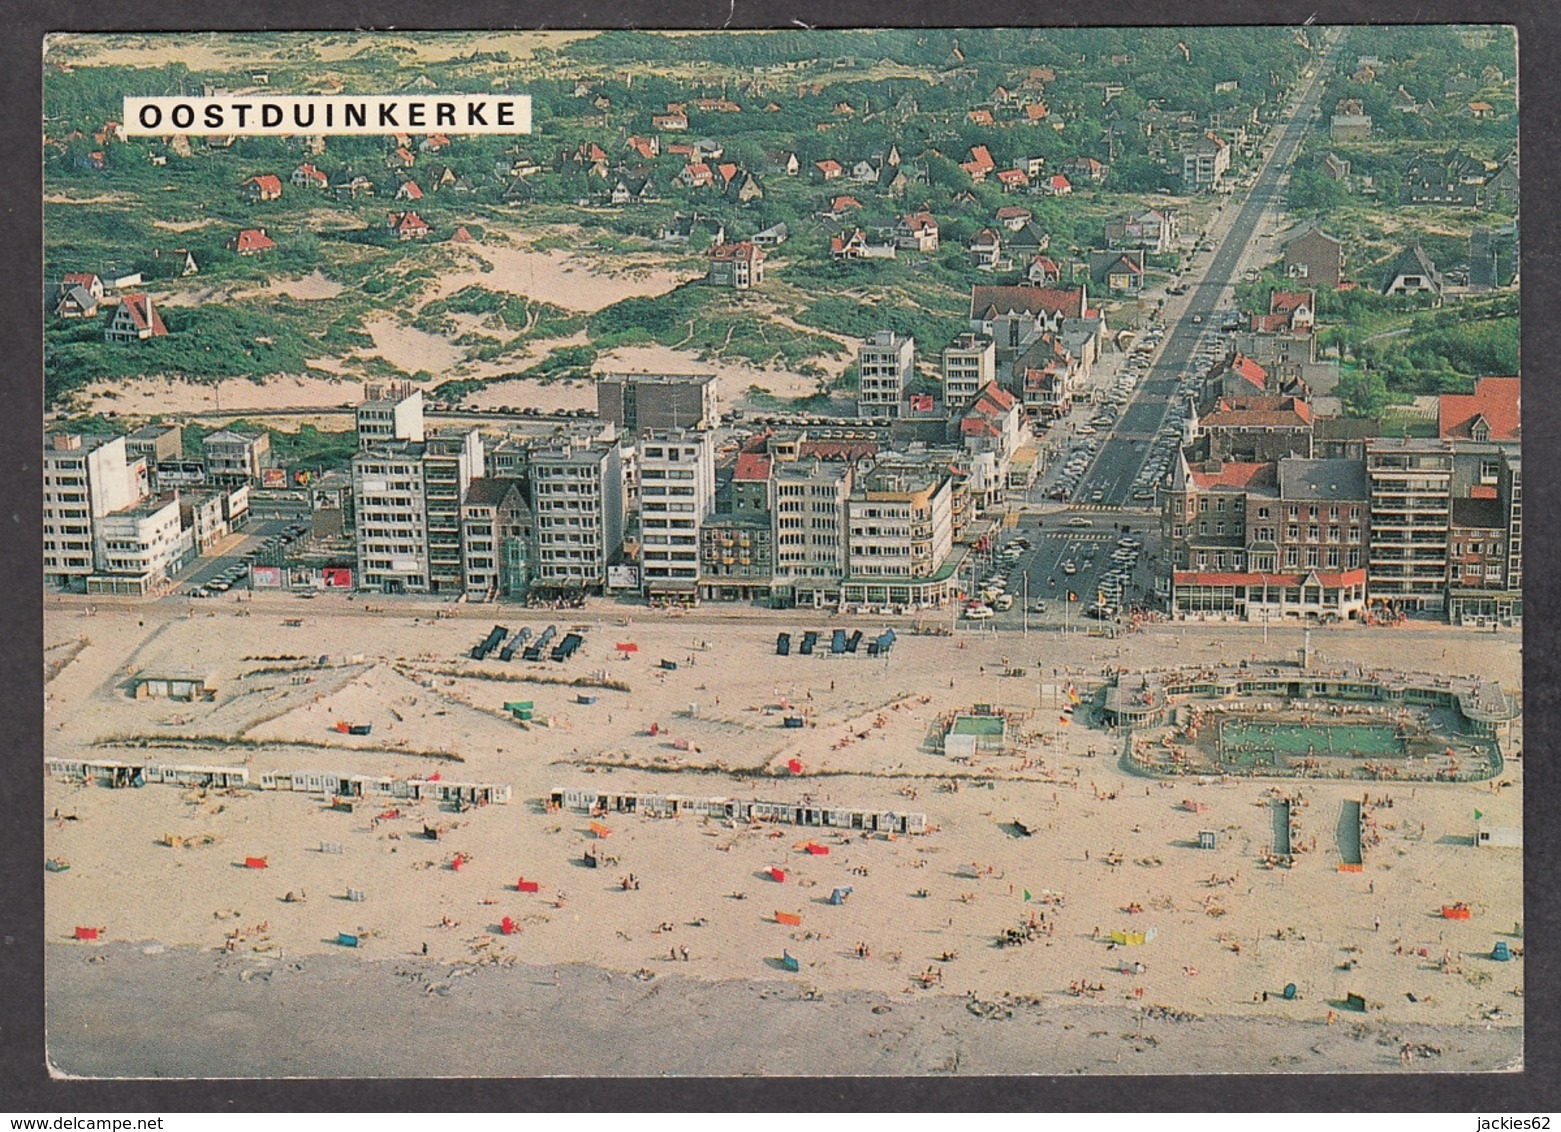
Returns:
(407, 499)
(577, 499)
(637, 401)
(810, 529)
(84, 479)
(968, 365)
(139, 547)
(885, 365)
(393, 413)
(900, 534)
(676, 493)
(1411, 513)
(451, 461)
(495, 530)
(234, 458)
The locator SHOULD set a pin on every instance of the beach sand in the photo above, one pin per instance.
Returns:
(397, 670)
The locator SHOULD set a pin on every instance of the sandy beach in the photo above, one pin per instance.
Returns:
(922, 922)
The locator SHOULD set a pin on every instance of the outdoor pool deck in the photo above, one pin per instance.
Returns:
(1145, 699)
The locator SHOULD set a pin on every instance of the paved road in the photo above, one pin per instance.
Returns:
(1124, 449)
(1123, 453)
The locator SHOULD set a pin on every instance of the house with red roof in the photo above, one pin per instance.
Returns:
(980, 117)
(1013, 180)
(306, 176)
(251, 241)
(738, 266)
(462, 236)
(1013, 217)
(267, 186)
(1117, 271)
(991, 429)
(1258, 428)
(1058, 185)
(980, 165)
(647, 148)
(842, 205)
(408, 226)
(696, 176)
(1298, 309)
(670, 121)
(409, 191)
(433, 143)
(1086, 169)
(1011, 315)
(1243, 377)
(135, 320)
(1490, 413)
(401, 158)
(1036, 113)
(1044, 271)
(917, 232)
(829, 169)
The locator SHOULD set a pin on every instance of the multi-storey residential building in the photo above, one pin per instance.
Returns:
(636, 401)
(155, 444)
(969, 364)
(235, 458)
(900, 534)
(407, 508)
(737, 542)
(810, 529)
(1257, 429)
(450, 462)
(390, 414)
(676, 492)
(1411, 505)
(1322, 520)
(885, 364)
(1267, 540)
(204, 515)
(84, 478)
(494, 529)
(991, 429)
(1204, 161)
(577, 503)
(139, 547)
(737, 554)
(391, 514)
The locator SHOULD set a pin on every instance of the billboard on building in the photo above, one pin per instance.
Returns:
(273, 478)
(265, 577)
(336, 578)
(623, 577)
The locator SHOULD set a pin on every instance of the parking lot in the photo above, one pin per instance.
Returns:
(268, 543)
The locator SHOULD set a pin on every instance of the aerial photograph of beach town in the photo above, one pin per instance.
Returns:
(864, 553)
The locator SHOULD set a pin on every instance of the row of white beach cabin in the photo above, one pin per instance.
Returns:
(594, 801)
(119, 773)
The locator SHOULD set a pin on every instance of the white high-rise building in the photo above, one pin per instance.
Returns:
(577, 493)
(84, 479)
(885, 365)
(676, 493)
